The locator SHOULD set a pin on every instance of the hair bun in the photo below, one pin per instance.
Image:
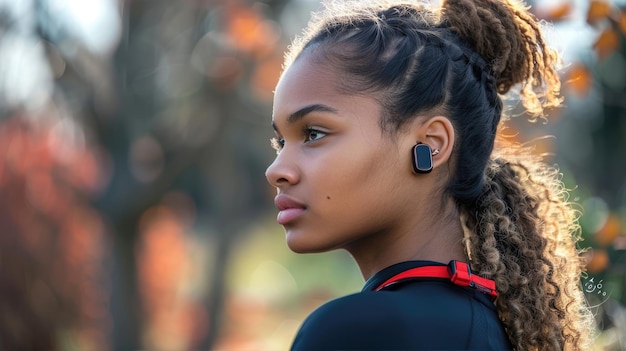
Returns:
(510, 40)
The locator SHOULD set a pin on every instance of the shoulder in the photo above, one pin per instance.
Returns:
(436, 315)
(358, 321)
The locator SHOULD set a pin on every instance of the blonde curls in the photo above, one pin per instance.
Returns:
(523, 234)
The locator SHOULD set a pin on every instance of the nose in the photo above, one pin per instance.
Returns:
(282, 171)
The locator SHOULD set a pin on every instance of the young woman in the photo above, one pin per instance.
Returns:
(386, 116)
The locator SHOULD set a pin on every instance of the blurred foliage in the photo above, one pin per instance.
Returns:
(134, 213)
(51, 242)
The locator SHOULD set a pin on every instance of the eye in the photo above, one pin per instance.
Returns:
(277, 143)
(312, 134)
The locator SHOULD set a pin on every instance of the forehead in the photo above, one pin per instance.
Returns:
(306, 82)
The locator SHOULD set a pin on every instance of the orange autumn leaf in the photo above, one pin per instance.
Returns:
(607, 42)
(243, 27)
(609, 231)
(250, 31)
(579, 79)
(598, 261)
(598, 10)
(559, 12)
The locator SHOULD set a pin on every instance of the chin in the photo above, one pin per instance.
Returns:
(302, 244)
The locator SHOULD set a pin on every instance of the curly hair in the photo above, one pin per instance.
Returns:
(457, 61)
(522, 232)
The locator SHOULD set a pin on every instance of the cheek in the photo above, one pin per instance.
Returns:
(356, 171)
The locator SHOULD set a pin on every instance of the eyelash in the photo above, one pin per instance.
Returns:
(278, 143)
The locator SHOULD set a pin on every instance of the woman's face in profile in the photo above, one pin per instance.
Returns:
(339, 178)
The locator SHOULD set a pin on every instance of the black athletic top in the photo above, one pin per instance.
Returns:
(422, 314)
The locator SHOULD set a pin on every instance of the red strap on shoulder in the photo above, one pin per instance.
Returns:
(457, 272)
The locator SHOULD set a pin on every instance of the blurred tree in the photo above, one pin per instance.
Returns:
(52, 243)
(177, 108)
(193, 85)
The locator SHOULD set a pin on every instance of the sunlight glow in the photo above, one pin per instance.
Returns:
(96, 23)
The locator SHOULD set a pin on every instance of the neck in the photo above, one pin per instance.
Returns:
(437, 239)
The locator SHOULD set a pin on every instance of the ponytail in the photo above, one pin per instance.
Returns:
(522, 233)
(520, 230)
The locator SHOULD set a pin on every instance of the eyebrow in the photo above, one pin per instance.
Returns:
(301, 113)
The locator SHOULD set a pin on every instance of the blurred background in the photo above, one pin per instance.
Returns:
(134, 212)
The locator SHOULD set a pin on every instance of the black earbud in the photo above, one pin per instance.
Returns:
(422, 158)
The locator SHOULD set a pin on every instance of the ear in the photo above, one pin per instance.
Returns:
(438, 133)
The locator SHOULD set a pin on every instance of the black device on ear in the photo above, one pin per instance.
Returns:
(422, 158)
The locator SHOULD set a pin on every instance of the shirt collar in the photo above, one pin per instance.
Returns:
(372, 283)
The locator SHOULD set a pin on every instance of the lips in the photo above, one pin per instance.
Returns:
(288, 209)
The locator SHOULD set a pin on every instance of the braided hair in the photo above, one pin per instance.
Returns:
(456, 61)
